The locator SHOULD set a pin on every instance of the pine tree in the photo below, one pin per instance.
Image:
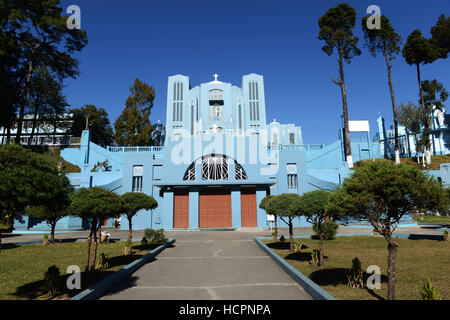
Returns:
(133, 127)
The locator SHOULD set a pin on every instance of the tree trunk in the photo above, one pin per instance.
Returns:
(88, 252)
(291, 236)
(392, 247)
(391, 88)
(130, 231)
(348, 148)
(426, 125)
(276, 225)
(24, 98)
(52, 233)
(94, 254)
(320, 247)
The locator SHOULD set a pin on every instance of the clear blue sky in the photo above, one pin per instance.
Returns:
(152, 40)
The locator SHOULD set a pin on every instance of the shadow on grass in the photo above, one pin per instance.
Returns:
(282, 245)
(338, 276)
(426, 237)
(36, 289)
(6, 246)
(301, 256)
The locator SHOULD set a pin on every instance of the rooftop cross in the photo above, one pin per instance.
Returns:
(215, 76)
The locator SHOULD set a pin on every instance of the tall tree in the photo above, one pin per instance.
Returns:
(46, 102)
(434, 94)
(98, 122)
(381, 193)
(387, 42)
(419, 50)
(37, 35)
(441, 35)
(132, 203)
(411, 117)
(336, 30)
(27, 179)
(133, 127)
(95, 204)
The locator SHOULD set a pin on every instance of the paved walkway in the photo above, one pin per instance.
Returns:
(211, 265)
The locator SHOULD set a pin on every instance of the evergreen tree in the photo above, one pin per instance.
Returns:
(98, 124)
(419, 50)
(381, 193)
(35, 34)
(387, 42)
(336, 30)
(441, 35)
(133, 127)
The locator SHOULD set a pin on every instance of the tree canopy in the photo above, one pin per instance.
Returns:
(133, 127)
(441, 35)
(98, 122)
(383, 40)
(336, 30)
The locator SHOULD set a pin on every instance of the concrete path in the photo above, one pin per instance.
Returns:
(210, 265)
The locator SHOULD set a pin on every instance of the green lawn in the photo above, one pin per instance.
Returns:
(22, 268)
(416, 261)
(435, 219)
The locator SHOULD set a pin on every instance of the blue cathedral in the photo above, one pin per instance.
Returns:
(218, 158)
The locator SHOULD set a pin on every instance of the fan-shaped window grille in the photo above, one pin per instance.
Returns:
(239, 173)
(190, 172)
(215, 167)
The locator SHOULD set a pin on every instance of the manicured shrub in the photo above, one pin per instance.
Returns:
(102, 261)
(315, 253)
(128, 249)
(298, 246)
(155, 236)
(282, 239)
(355, 275)
(144, 242)
(329, 230)
(428, 292)
(51, 278)
(446, 236)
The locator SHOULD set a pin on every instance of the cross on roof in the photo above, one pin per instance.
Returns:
(215, 76)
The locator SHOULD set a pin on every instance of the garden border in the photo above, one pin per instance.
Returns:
(313, 289)
(101, 288)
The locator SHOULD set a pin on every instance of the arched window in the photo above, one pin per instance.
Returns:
(216, 167)
(215, 94)
(190, 172)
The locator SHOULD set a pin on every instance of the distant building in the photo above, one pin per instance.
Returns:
(439, 137)
(48, 130)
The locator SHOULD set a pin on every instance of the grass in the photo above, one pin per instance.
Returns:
(435, 162)
(416, 261)
(22, 268)
(444, 220)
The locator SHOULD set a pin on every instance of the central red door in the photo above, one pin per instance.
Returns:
(248, 207)
(181, 208)
(215, 208)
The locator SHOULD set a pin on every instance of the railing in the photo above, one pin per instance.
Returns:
(297, 147)
(136, 149)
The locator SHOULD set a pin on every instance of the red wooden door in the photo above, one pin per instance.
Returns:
(215, 208)
(181, 208)
(248, 207)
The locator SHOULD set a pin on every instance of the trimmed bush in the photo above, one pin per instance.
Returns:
(446, 236)
(428, 292)
(329, 230)
(51, 278)
(355, 274)
(282, 239)
(155, 236)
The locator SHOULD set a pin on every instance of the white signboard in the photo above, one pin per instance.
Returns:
(270, 217)
(358, 126)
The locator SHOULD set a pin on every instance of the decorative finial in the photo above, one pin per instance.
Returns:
(87, 122)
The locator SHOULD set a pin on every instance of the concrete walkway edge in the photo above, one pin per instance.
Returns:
(101, 288)
(312, 288)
